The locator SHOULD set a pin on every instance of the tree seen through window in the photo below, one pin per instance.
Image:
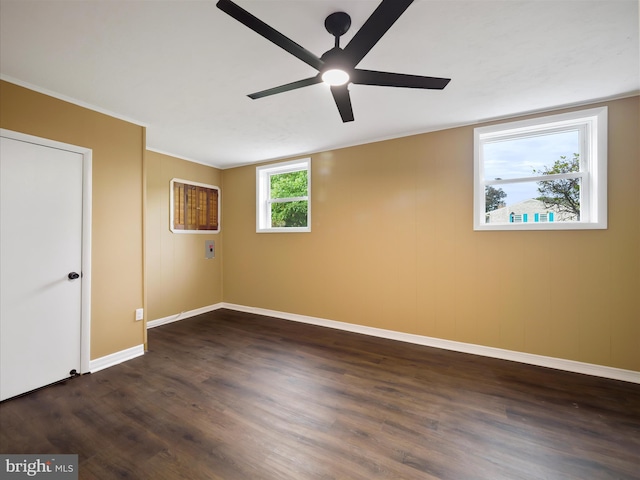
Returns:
(288, 209)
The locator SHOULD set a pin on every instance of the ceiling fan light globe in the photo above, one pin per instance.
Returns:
(335, 77)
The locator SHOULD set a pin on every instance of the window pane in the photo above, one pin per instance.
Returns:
(562, 196)
(522, 157)
(533, 202)
(289, 214)
(287, 185)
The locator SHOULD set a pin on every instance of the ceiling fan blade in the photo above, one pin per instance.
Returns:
(386, 79)
(374, 28)
(285, 88)
(343, 102)
(269, 33)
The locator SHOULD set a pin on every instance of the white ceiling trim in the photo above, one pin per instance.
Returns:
(174, 155)
(71, 100)
(94, 108)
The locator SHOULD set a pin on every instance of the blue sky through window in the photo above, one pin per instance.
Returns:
(518, 158)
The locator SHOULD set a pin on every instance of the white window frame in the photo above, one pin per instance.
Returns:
(263, 195)
(592, 124)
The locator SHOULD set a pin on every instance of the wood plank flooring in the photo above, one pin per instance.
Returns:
(235, 396)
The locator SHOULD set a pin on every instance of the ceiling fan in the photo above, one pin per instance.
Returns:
(337, 66)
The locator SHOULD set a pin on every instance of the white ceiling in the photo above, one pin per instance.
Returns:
(184, 68)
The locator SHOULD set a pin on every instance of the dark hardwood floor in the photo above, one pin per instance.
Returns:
(234, 396)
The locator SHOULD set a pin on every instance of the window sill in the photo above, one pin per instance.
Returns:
(542, 226)
(284, 230)
(194, 231)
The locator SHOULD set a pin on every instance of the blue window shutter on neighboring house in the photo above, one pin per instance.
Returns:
(536, 217)
(551, 216)
(525, 217)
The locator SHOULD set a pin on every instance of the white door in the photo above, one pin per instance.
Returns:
(41, 249)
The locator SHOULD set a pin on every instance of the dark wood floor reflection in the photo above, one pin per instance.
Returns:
(235, 396)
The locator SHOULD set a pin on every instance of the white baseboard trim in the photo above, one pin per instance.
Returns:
(115, 358)
(183, 315)
(528, 358)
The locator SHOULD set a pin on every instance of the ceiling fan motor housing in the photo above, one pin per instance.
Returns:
(335, 59)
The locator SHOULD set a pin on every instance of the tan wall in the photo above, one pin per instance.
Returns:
(117, 273)
(179, 278)
(392, 246)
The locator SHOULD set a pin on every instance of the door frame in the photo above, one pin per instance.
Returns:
(85, 311)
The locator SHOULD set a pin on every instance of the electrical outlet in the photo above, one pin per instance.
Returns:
(139, 314)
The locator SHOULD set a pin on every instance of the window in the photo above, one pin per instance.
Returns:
(283, 191)
(195, 207)
(547, 173)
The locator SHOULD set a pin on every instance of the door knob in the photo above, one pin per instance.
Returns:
(73, 276)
